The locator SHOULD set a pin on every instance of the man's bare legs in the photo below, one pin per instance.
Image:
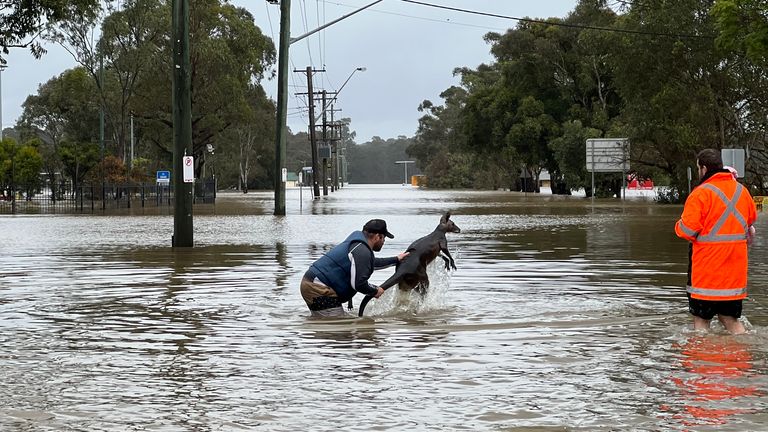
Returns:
(733, 325)
(700, 323)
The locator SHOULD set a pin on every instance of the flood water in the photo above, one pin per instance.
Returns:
(561, 316)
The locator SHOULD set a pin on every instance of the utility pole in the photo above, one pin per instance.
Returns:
(335, 138)
(282, 104)
(282, 92)
(325, 146)
(312, 136)
(182, 125)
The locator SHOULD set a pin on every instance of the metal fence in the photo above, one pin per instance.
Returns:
(65, 197)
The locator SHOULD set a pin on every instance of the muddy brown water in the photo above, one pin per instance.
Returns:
(562, 315)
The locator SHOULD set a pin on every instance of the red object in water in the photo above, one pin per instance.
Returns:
(641, 184)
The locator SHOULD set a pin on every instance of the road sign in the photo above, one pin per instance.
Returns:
(608, 155)
(188, 165)
(163, 177)
(735, 159)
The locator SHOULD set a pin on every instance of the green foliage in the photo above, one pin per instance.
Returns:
(141, 171)
(22, 21)
(374, 161)
(78, 159)
(569, 152)
(229, 57)
(667, 87)
(743, 26)
(20, 165)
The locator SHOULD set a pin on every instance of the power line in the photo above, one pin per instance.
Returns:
(424, 18)
(560, 24)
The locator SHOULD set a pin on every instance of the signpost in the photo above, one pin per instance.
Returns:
(608, 155)
(189, 169)
(164, 178)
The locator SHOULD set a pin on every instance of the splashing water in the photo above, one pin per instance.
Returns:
(396, 302)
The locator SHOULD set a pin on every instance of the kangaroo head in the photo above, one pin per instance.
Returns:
(447, 225)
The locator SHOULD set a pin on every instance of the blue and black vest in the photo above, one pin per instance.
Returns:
(334, 269)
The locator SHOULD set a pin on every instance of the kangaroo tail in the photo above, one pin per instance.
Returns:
(363, 303)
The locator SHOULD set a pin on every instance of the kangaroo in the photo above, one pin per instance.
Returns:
(411, 273)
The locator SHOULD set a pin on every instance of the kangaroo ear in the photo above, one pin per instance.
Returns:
(445, 217)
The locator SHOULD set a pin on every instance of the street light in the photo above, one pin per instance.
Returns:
(405, 165)
(329, 102)
(282, 91)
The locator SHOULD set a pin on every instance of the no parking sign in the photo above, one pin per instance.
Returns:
(188, 163)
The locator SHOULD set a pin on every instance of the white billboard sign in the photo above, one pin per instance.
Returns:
(608, 155)
(734, 158)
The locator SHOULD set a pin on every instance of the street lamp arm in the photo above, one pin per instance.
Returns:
(296, 39)
(329, 102)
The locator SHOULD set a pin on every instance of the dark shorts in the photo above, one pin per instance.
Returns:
(707, 309)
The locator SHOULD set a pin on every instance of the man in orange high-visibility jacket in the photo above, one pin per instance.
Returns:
(716, 219)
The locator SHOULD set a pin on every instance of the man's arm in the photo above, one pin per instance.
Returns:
(382, 263)
(361, 270)
(689, 225)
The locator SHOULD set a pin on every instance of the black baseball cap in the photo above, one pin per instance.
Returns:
(377, 226)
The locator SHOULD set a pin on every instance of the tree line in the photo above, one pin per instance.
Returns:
(673, 77)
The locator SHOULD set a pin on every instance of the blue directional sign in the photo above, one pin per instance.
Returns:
(163, 177)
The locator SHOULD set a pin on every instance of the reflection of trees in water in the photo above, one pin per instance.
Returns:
(715, 383)
(166, 323)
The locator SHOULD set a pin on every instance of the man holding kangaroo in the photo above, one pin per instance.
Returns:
(338, 275)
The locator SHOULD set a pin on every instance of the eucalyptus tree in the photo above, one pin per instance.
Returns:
(24, 22)
(229, 54)
(679, 88)
(743, 29)
(64, 115)
(247, 147)
(439, 147)
(19, 167)
(116, 48)
(516, 112)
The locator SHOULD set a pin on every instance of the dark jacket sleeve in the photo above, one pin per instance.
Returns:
(380, 263)
(361, 269)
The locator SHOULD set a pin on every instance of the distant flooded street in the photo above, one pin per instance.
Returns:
(561, 316)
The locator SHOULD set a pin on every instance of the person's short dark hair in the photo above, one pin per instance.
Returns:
(377, 226)
(711, 159)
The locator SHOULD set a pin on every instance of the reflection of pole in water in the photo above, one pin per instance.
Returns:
(713, 383)
(281, 276)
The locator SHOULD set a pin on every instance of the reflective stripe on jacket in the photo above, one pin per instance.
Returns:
(716, 218)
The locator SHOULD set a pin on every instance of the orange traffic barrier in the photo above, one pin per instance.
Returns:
(759, 200)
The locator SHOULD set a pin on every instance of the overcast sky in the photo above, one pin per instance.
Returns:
(409, 52)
